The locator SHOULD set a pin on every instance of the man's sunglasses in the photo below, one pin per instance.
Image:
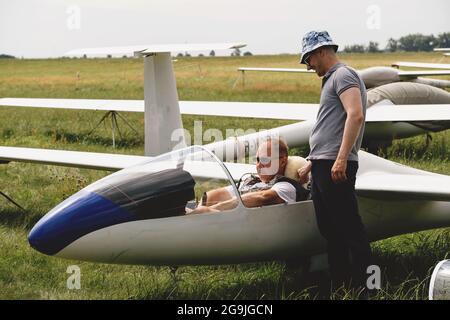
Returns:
(309, 55)
(307, 58)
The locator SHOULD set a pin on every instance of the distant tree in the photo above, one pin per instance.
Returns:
(392, 45)
(84, 56)
(247, 53)
(212, 53)
(417, 42)
(373, 47)
(6, 56)
(443, 40)
(187, 54)
(109, 56)
(354, 48)
(408, 43)
(201, 55)
(429, 43)
(180, 55)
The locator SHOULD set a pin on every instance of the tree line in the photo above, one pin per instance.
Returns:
(410, 42)
(6, 56)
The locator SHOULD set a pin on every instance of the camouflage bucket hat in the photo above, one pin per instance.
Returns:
(313, 40)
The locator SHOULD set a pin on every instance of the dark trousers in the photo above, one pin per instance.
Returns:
(340, 224)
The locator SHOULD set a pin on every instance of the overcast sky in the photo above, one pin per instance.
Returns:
(49, 28)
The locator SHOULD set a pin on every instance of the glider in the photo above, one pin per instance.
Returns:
(377, 76)
(137, 215)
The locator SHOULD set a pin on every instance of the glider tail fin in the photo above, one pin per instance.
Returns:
(162, 110)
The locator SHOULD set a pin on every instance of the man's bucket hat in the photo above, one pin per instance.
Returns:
(313, 40)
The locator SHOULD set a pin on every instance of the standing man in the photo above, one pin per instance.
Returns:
(333, 161)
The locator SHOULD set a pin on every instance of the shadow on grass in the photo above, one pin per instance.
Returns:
(126, 140)
(16, 218)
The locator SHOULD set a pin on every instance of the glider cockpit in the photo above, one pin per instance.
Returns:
(165, 186)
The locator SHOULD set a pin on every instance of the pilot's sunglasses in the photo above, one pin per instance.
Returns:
(263, 160)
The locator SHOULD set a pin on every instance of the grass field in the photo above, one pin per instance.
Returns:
(406, 261)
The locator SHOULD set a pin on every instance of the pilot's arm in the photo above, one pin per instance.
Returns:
(250, 200)
(215, 196)
(281, 192)
(261, 198)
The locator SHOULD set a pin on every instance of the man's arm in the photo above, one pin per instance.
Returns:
(251, 200)
(351, 100)
(261, 198)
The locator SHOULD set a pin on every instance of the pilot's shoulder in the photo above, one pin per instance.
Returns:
(287, 180)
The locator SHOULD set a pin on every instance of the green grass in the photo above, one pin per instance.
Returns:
(406, 261)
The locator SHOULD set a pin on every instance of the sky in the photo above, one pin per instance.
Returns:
(49, 28)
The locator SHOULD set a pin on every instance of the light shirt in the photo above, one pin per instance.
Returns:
(285, 190)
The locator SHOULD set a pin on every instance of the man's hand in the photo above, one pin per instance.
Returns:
(303, 172)
(338, 170)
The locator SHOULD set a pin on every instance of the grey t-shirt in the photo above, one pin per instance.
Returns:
(326, 136)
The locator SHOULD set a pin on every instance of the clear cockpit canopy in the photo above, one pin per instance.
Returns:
(169, 185)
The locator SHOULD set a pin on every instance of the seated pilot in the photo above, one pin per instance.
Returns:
(268, 186)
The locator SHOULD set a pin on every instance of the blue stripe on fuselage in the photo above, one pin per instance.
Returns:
(77, 216)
